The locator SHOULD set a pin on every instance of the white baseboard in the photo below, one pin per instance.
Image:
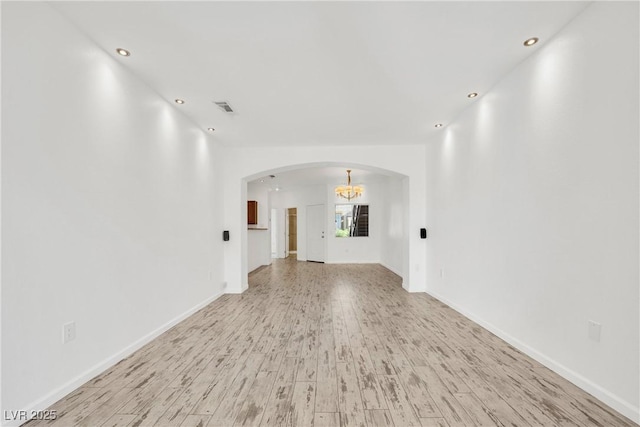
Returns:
(622, 406)
(101, 367)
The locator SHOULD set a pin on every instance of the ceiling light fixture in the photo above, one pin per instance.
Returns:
(123, 52)
(179, 101)
(439, 125)
(210, 129)
(531, 41)
(472, 95)
(349, 191)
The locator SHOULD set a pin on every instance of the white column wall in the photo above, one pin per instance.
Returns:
(392, 224)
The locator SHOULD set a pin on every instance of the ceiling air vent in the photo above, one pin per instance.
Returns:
(224, 106)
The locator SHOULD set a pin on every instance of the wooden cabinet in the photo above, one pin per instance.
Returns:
(252, 212)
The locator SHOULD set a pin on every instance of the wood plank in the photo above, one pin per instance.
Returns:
(119, 420)
(340, 335)
(105, 410)
(85, 408)
(326, 419)
(399, 407)
(451, 410)
(154, 410)
(235, 395)
(378, 418)
(433, 422)
(256, 401)
(288, 370)
(480, 415)
(278, 410)
(196, 421)
(417, 393)
(349, 400)
(303, 404)
(327, 379)
(370, 390)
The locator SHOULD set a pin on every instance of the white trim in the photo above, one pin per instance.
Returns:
(101, 367)
(617, 403)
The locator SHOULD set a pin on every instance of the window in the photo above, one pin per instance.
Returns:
(352, 220)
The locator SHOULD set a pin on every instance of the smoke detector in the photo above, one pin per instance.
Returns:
(224, 106)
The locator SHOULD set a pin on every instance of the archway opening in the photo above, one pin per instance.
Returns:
(309, 189)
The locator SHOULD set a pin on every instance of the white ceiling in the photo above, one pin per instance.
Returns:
(320, 73)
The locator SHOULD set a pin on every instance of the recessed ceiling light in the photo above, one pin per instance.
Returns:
(179, 101)
(439, 125)
(210, 129)
(123, 52)
(472, 95)
(531, 41)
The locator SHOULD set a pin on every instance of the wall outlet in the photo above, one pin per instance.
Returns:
(595, 329)
(224, 285)
(442, 273)
(68, 332)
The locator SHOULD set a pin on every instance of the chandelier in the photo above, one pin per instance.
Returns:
(349, 191)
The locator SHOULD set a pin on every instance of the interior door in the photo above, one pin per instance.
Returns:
(315, 233)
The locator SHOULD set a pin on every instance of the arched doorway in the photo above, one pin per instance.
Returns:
(309, 189)
(244, 165)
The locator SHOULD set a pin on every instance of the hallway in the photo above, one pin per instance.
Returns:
(329, 345)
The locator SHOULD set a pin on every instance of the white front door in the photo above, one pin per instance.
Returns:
(315, 233)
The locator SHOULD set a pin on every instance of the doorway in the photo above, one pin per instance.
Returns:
(292, 233)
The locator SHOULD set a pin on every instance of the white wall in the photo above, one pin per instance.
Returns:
(533, 205)
(392, 224)
(109, 209)
(258, 248)
(242, 164)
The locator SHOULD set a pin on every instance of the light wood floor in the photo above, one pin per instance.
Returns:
(329, 345)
